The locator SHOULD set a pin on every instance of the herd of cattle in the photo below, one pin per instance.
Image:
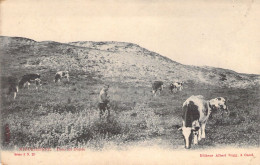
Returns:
(14, 85)
(195, 110)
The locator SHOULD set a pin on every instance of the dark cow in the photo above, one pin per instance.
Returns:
(61, 74)
(103, 104)
(11, 84)
(196, 111)
(157, 86)
(176, 86)
(30, 78)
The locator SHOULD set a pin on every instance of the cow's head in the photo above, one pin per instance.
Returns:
(38, 82)
(219, 103)
(189, 134)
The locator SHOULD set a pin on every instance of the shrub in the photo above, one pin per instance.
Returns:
(109, 126)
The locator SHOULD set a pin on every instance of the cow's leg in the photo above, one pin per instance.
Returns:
(154, 92)
(14, 95)
(28, 85)
(195, 138)
(203, 126)
(199, 135)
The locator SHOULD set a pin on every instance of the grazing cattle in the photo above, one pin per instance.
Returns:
(28, 79)
(103, 104)
(157, 86)
(11, 83)
(61, 74)
(176, 86)
(196, 111)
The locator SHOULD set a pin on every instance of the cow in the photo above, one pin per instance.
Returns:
(157, 86)
(30, 78)
(196, 111)
(11, 83)
(61, 74)
(175, 86)
(103, 104)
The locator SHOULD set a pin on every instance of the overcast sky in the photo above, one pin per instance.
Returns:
(221, 33)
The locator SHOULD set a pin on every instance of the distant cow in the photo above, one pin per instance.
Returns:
(175, 86)
(30, 78)
(61, 74)
(157, 86)
(11, 83)
(196, 111)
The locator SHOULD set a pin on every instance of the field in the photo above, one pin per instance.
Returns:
(66, 114)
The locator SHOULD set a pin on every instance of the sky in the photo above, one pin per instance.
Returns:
(220, 33)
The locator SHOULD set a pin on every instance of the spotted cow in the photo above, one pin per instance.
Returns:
(157, 86)
(30, 78)
(175, 86)
(61, 74)
(196, 111)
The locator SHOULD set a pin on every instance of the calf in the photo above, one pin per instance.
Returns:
(30, 78)
(61, 74)
(11, 83)
(196, 111)
(176, 86)
(157, 86)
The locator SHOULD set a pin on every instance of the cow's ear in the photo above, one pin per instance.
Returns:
(178, 127)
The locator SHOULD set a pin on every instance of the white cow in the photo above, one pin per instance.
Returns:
(196, 111)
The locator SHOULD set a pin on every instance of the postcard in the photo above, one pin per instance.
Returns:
(130, 82)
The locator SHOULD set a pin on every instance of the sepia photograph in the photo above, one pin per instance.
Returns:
(130, 82)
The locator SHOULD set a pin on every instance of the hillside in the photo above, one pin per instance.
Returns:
(109, 61)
